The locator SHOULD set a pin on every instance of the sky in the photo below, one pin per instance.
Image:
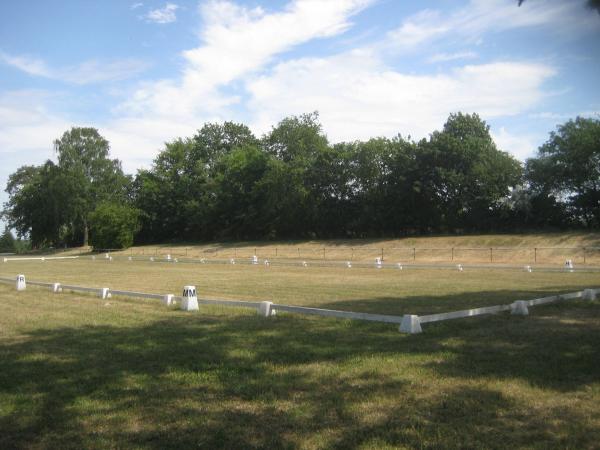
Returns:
(144, 73)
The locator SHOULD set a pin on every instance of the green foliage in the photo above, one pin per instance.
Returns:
(51, 203)
(43, 203)
(7, 242)
(566, 170)
(224, 183)
(113, 226)
(84, 155)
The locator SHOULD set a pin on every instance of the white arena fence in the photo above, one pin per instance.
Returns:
(315, 263)
(409, 323)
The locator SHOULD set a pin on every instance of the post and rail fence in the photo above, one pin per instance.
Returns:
(522, 255)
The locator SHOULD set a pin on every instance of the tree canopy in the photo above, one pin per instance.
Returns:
(225, 183)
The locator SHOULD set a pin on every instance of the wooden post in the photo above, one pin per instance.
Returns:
(535, 254)
(414, 253)
(584, 255)
(382, 253)
(323, 252)
(275, 251)
(352, 254)
(491, 254)
(235, 252)
(452, 253)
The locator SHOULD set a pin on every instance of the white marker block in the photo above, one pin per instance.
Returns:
(410, 324)
(399, 266)
(203, 261)
(106, 255)
(304, 264)
(168, 257)
(5, 259)
(569, 265)
(21, 284)
(110, 258)
(129, 258)
(527, 269)
(43, 259)
(378, 263)
(152, 258)
(459, 267)
(168, 300)
(267, 263)
(589, 294)
(519, 308)
(93, 258)
(265, 309)
(255, 259)
(232, 261)
(105, 293)
(56, 288)
(348, 264)
(175, 260)
(190, 299)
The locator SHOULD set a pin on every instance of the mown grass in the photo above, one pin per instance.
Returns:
(80, 372)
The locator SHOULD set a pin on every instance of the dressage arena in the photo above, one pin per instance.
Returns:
(84, 366)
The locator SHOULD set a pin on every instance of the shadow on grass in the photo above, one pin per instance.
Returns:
(241, 382)
(433, 304)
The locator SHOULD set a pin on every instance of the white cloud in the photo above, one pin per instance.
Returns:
(88, 72)
(164, 15)
(445, 57)
(564, 116)
(27, 64)
(136, 5)
(485, 16)
(522, 146)
(26, 123)
(242, 41)
(359, 97)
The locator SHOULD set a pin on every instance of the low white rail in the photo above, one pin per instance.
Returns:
(464, 313)
(220, 302)
(338, 314)
(40, 258)
(408, 323)
(137, 294)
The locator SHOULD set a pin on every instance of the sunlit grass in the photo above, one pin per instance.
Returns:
(80, 372)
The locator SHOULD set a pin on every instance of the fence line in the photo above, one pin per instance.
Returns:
(336, 263)
(408, 323)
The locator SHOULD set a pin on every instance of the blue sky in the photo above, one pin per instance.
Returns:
(147, 72)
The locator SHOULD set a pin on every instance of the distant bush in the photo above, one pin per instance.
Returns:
(113, 226)
(7, 242)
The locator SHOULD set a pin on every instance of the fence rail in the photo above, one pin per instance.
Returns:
(408, 323)
(579, 254)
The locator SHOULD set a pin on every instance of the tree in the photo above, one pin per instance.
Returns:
(113, 225)
(84, 154)
(214, 140)
(462, 175)
(43, 203)
(566, 169)
(7, 242)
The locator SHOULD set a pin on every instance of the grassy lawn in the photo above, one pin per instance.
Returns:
(80, 372)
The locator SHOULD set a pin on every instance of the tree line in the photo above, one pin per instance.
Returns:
(226, 183)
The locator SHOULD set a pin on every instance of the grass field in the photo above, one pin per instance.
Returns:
(80, 372)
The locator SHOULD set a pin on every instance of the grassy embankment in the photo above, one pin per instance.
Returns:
(80, 372)
(552, 248)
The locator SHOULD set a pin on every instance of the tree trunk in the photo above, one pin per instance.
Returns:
(85, 233)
